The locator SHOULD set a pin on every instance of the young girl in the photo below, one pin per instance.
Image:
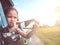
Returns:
(11, 33)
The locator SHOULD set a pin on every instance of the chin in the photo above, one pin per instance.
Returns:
(10, 25)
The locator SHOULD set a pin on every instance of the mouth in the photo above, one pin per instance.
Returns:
(11, 24)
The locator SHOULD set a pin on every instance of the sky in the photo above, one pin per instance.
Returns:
(44, 11)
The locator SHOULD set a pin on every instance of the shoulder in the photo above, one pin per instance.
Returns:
(5, 29)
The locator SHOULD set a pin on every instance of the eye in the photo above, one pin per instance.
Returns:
(9, 16)
(15, 17)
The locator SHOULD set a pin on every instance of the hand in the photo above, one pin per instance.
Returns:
(16, 24)
(36, 26)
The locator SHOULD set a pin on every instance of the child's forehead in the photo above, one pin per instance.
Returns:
(12, 12)
(10, 9)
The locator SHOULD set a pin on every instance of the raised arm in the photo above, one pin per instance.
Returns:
(28, 35)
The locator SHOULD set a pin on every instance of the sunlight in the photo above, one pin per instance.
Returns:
(45, 11)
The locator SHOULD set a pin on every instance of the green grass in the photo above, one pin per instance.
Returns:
(50, 36)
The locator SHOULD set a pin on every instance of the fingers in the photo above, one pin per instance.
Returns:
(17, 22)
(15, 25)
(35, 21)
(35, 27)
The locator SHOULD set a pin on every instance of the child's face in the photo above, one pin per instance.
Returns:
(12, 17)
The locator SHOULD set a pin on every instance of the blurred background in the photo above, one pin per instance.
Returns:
(47, 12)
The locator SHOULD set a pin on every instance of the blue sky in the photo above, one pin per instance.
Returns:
(42, 10)
(26, 4)
(26, 8)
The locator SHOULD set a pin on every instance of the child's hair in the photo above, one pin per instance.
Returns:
(8, 9)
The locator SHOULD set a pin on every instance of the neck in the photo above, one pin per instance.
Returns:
(11, 29)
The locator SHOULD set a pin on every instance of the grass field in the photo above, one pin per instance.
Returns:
(49, 35)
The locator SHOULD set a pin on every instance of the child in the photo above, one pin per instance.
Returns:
(11, 33)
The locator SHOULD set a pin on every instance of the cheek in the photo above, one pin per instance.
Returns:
(15, 20)
(8, 20)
